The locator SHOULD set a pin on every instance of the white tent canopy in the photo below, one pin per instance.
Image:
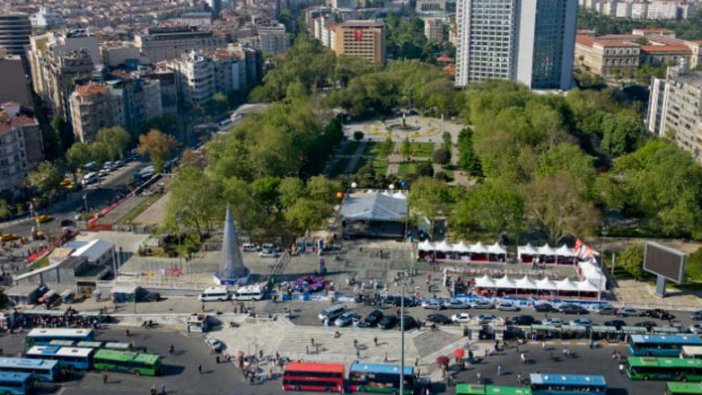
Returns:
(504, 282)
(524, 283)
(566, 285)
(586, 286)
(496, 249)
(526, 250)
(485, 282)
(478, 248)
(461, 248)
(443, 246)
(425, 245)
(546, 250)
(545, 284)
(565, 251)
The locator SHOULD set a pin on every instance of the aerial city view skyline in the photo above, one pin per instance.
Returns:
(409, 197)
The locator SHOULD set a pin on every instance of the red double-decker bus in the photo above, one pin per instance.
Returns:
(313, 376)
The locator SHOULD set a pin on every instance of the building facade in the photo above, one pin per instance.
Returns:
(93, 108)
(363, 39)
(273, 39)
(166, 43)
(21, 146)
(675, 108)
(194, 78)
(13, 82)
(530, 41)
(46, 18)
(434, 30)
(15, 29)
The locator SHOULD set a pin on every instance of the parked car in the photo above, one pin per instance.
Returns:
(607, 310)
(456, 304)
(397, 301)
(484, 319)
(372, 319)
(249, 247)
(432, 304)
(628, 312)
(615, 323)
(646, 324)
(523, 320)
(553, 321)
(387, 322)
(265, 253)
(408, 322)
(507, 306)
(345, 319)
(572, 309)
(695, 328)
(270, 246)
(483, 304)
(543, 307)
(658, 313)
(438, 319)
(581, 322)
(461, 318)
(90, 178)
(696, 315)
(103, 173)
(215, 344)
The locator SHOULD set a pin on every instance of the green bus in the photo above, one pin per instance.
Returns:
(673, 388)
(475, 389)
(652, 368)
(127, 361)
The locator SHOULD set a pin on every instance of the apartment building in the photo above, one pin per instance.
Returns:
(14, 86)
(273, 39)
(194, 78)
(434, 30)
(15, 29)
(641, 10)
(530, 41)
(675, 108)
(93, 108)
(605, 57)
(166, 43)
(46, 18)
(21, 146)
(363, 39)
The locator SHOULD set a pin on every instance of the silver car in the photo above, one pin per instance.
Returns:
(483, 304)
(345, 319)
(506, 306)
(456, 304)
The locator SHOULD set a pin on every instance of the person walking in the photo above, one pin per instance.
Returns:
(522, 357)
(199, 369)
(307, 349)
(480, 378)
(171, 349)
(312, 341)
(104, 378)
(217, 359)
(519, 378)
(621, 368)
(375, 341)
(163, 389)
(499, 369)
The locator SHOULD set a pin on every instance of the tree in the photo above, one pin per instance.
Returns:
(386, 147)
(78, 155)
(406, 148)
(467, 159)
(621, 132)
(555, 205)
(290, 190)
(158, 146)
(64, 131)
(307, 214)
(322, 189)
(492, 208)
(424, 169)
(248, 212)
(430, 198)
(358, 135)
(115, 139)
(46, 179)
(5, 209)
(265, 191)
(632, 260)
(442, 156)
(99, 152)
(194, 201)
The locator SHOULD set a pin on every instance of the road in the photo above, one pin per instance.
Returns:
(98, 197)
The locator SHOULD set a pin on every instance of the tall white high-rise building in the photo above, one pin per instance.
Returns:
(530, 41)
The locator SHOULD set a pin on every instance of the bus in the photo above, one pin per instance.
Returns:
(313, 376)
(15, 383)
(660, 345)
(131, 362)
(89, 344)
(674, 388)
(43, 337)
(475, 389)
(62, 343)
(117, 346)
(567, 384)
(67, 357)
(40, 369)
(382, 379)
(691, 352)
(651, 368)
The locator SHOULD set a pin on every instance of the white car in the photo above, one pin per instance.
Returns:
(696, 328)
(581, 322)
(268, 254)
(90, 178)
(461, 318)
(507, 306)
(456, 304)
(103, 173)
(432, 304)
(249, 247)
(215, 344)
(487, 319)
(483, 304)
(554, 321)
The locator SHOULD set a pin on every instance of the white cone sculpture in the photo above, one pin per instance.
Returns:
(232, 271)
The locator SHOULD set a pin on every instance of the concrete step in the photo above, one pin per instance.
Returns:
(430, 341)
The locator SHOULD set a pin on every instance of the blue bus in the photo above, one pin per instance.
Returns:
(67, 357)
(40, 369)
(660, 345)
(43, 337)
(567, 384)
(15, 383)
(366, 377)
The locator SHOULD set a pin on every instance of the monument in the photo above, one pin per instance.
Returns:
(232, 271)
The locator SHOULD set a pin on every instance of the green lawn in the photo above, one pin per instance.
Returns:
(422, 149)
(380, 166)
(406, 168)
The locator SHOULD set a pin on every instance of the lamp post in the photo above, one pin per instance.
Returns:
(602, 252)
(402, 336)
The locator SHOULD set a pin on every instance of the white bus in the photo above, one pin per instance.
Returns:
(213, 294)
(250, 292)
(691, 352)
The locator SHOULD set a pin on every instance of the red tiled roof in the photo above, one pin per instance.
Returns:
(665, 48)
(18, 120)
(615, 43)
(654, 30)
(91, 89)
(584, 40)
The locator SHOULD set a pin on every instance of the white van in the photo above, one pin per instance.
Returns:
(90, 178)
(213, 294)
(250, 292)
(332, 312)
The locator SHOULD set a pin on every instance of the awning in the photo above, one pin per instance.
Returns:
(425, 245)
(526, 250)
(461, 248)
(566, 285)
(443, 246)
(586, 286)
(565, 251)
(496, 249)
(504, 282)
(525, 283)
(478, 248)
(546, 250)
(485, 282)
(545, 284)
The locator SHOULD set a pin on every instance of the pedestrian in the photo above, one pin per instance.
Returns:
(519, 378)
(621, 368)
(260, 354)
(316, 348)
(522, 357)
(217, 359)
(499, 369)
(516, 348)
(385, 358)
(171, 349)
(104, 378)
(355, 343)
(375, 341)
(163, 389)
(199, 369)
(152, 391)
(358, 354)
(126, 331)
(479, 378)
(487, 352)
(312, 341)
(307, 349)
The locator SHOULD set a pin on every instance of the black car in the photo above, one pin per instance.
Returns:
(658, 313)
(646, 324)
(387, 322)
(544, 308)
(409, 323)
(615, 323)
(372, 319)
(696, 315)
(572, 309)
(523, 320)
(438, 319)
(397, 301)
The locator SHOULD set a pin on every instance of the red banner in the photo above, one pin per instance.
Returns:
(358, 35)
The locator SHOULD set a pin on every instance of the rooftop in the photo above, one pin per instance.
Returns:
(362, 24)
(91, 90)
(375, 206)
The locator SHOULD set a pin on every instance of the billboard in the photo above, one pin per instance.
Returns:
(663, 260)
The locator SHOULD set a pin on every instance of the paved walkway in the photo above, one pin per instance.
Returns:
(351, 166)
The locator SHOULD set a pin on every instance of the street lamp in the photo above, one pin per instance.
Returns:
(604, 235)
